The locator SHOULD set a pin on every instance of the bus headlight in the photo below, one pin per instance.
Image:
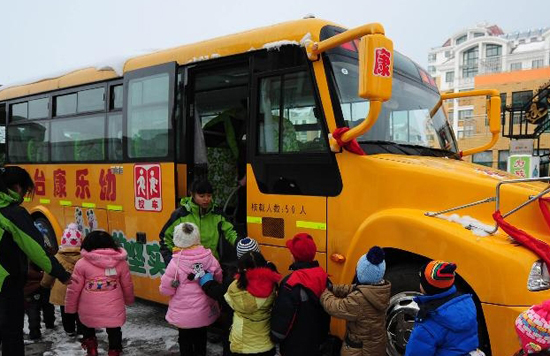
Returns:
(539, 278)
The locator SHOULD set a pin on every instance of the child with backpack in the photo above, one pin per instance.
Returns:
(363, 306)
(533, 329)
(298, 321)
(100, 290)
(251, 296)
(68, 256)
(190, 309)
(446, 323)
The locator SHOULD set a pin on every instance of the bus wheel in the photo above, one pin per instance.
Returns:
(45, 225)
(402, 310)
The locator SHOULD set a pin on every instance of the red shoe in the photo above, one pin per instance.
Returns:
(90, 345)
(114, 352)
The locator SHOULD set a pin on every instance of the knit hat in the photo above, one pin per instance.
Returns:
(371, 266)
(533, 328)
(246, 245)
(72, 237)
(186, 235)
(302, 247)
(437, 277)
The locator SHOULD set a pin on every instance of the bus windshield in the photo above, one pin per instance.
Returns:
(405, 118)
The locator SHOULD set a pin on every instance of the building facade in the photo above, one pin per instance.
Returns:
(484, 57)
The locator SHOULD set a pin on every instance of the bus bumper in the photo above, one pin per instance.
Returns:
(500, 326)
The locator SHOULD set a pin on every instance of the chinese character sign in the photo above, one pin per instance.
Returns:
(82, 184)
(524, 166)
(39, 182)
(147, 187)
(59, 183)
(107, 181)
(382, 62)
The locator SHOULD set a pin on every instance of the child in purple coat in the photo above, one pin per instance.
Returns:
(190, 309)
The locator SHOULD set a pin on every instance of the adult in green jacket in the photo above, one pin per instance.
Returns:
(20, 241)
(201, 211)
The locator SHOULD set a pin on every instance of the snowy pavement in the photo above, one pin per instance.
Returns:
(145, 333)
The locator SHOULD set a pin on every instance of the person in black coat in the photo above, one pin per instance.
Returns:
(298, 321)
(20, 242)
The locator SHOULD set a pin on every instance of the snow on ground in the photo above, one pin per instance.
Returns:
(145, 333)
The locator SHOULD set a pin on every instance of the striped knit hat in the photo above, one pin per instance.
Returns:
(246, 245)
(437, 277)
(533, 328)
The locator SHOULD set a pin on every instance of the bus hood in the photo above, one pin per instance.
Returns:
(434, 184)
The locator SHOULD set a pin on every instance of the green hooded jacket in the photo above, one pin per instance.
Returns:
(211, 225)
(20, 241)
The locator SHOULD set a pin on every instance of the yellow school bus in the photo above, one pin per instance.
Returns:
(115, 149)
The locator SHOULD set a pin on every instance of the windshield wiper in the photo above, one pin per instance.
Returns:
(408, 149)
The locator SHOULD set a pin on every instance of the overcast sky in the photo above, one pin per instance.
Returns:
(41, 37)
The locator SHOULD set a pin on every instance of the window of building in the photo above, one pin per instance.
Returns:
(148, 116)
(469, 130)
(39, 108)
(470, 62)
(484, 158)
(478, 34)
(461, 39)
(465, 114)
(447, 54)
(432, 57)
(493, 50)
(300, 129)
(522, 41)
(503, 159)
(78, 139)
(515, 66)
(431, 69)
(537, 63)
(449, 77)
(519, 99)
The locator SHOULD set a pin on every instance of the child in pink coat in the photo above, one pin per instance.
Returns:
(189, 309)
(100, 290)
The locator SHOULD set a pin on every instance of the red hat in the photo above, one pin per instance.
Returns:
(302, 247)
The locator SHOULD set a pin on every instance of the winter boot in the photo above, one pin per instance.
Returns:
(114, 352)
(35, 334)
(90, 345)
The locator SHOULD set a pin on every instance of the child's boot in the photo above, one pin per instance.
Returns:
(90, 345)
(114, 352)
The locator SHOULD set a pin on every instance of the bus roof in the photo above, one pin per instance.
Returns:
(265, 37)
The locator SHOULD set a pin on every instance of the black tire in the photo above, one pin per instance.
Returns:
(45, 224)
(405, 278)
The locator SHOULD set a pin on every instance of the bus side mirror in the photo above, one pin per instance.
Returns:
(375, 67)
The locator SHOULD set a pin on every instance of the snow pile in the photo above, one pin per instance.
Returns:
(203, 58)
(477, 227)
(275, 46)
(145, 333)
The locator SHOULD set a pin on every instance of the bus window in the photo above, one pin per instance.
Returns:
(91, 100)
(114, 136)
(116, 97)
(65, 105)
(79, 139)
(19, 112)
(39, 108)
(148, 116)
(301, 129)
(28, 142)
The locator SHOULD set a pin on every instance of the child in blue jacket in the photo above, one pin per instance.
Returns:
(446, 324)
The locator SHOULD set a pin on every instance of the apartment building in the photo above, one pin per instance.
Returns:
(517, 64)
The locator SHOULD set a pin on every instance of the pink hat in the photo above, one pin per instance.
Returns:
(533, 328)
(72, 237)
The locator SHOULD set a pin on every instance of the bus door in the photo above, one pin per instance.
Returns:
(217, 122)
(291, 170)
